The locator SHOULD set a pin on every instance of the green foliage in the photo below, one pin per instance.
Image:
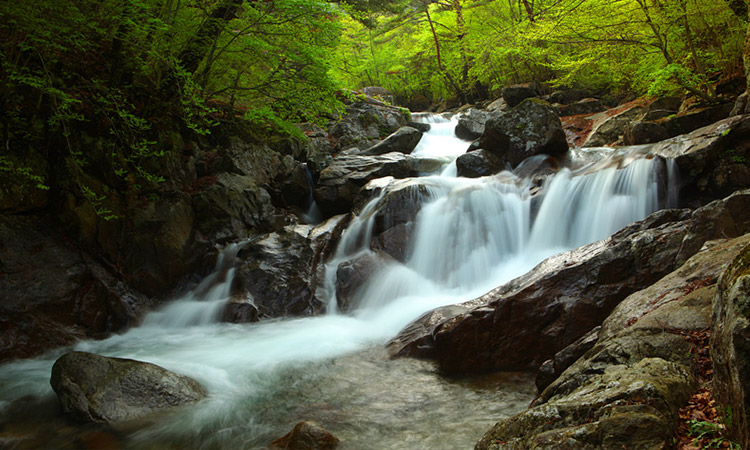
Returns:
(640, 46)
(713, 434)
(92, 85)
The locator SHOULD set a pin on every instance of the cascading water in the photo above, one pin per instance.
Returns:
(470, 235)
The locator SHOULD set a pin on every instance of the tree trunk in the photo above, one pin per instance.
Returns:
(200, 44)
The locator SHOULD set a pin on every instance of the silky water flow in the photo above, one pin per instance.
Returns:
(469, 236)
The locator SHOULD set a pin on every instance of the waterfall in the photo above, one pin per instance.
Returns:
(469, 236)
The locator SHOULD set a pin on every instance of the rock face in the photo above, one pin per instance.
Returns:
(306, 436)
(644, 133)
(528, 129)
(730, 345)
(95, 388)
(53, 294)
(478, 163)
(341, 181)
(402, 140)
(625, 392)
(278, 273)
(471, 124)
(528, 320)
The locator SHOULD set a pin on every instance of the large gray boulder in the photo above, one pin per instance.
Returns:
(471, 124)
(365, 123)
(94, 388)
(531, 128)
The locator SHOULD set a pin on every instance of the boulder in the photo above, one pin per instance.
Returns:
(306, 436)
(514, 95)
(730, 345)
(498, 105)
(478, 163)
(644, 133)
(530, 128)
(585, 106)
(352, 274)
(275, 277)
(403, 140)
(627, 389)
(341, 181)
(292, 183)
(94, 388)
(552, 368)
(54, 294)
(421, 126)
(471, 124)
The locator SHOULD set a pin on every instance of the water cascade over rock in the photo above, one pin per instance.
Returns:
(414, 245)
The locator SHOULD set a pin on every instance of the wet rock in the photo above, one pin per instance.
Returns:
(306, 436)
(340, 182)
(730, 345)
(394, 217)
(530, 128)
(585, 106)
(351, 275)
(609, 126)
(627, 389)
(514, 95)
(403, 140)
(712, 160)
(415, 340)
(54, 294)
(276, 276)
(421, 126)
(644, 133)
(95, 388)
(292, 182)
(471, 124)
(240, 309)
(478, 163)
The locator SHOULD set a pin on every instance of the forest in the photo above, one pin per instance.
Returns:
(127, 68)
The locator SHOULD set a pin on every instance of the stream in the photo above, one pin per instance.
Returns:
(470, 236)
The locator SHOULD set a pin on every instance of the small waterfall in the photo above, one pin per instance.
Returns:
(312, 214)
(203, 304)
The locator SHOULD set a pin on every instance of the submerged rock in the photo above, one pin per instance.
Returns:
(531, 128)
(306, 436)
(95, 388)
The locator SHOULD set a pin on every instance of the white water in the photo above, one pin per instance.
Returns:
(473, 235)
